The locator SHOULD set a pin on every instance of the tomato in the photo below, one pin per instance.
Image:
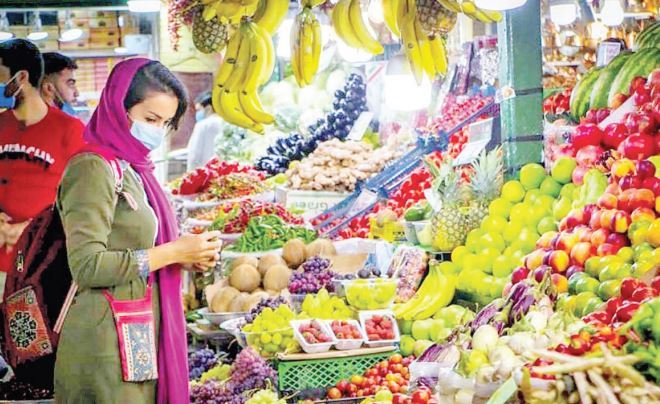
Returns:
(393, 386)
(396, 358)
(334, 393)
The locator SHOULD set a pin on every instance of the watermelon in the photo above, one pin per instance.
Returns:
(649, 38)
(641, 63)
(581, 95)
(601, 89)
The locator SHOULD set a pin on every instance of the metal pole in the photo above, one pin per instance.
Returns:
(521, 68)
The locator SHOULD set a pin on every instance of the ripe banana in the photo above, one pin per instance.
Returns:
(242, 61)
(425, 51)
(229, 60)
(350, 27)
(406, 21)
(270, 14)
(305, 46)
(436, 291)
(439, 52)
(471, 10)
(270, 53)
(451, 5)
(390, 8)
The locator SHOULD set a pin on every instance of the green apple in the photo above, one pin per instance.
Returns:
(513, 191)
(500, 207)
(546, 224)
(405, 326)
(407, 345)
(562, 171)
(551, 187)
(421, 329)
(561, 208)
(532, 175)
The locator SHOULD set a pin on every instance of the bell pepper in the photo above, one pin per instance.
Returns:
(643, 294)
(613, 305)
(598, 317)
(629, 286)
(626, 311)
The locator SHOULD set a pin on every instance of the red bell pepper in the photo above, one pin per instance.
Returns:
(643, 294)
(626, 311)
(629, 286)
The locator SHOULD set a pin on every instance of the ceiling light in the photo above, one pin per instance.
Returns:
(612, 13)
(563, 14)
(70, 32)
(37, 32)
(499, 5)
(143, 6)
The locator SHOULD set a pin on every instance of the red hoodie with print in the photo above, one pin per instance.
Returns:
(32, 161)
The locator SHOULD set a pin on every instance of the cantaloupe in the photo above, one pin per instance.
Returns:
(277, 277)
(223, 298)
(268, 261)
(245, 259)
(293, 252)
(320, 247)
(245, 278)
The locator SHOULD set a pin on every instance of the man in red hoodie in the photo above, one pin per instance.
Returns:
(36, 142)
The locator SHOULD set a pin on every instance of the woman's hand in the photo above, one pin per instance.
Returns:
(193, 251)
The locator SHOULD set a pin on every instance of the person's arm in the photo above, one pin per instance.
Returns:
(87, 204)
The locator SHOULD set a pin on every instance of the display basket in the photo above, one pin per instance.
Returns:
(390, 231)
(321, 373)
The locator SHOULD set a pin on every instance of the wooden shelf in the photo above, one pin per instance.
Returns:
(90, 54)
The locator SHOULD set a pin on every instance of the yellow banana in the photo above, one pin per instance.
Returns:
(209, 12)
(439, 53)
(425, 51)
(495, 16)
(231, 111)
(307, 48)
(237, 75)
(450, 5)
(270, 14)
(295, 51)
(422, 298)
(318, 41)
(390, 8)
(343, 26)
(471, 10)
(256, 62)
(229, 60)
(409, 40)
(443, 296)
(369, 44)
(253, 108)
(270, 53)
(227, 9)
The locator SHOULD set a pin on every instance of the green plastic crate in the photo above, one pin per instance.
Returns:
(321, 373)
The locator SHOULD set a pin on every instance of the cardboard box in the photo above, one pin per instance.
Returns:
(103, 34)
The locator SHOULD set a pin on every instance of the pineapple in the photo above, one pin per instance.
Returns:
(449, 223)
(435, 19)
(485, 184)
(209, 36)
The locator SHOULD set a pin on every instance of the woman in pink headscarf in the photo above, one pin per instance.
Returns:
(124, 338)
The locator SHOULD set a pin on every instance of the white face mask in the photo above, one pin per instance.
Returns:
(149, 135)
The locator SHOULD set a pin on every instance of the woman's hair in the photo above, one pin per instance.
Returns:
(154, 77)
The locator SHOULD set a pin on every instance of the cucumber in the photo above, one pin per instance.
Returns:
(641, 63)
(581, 95)
(601, 89)
(648, 38)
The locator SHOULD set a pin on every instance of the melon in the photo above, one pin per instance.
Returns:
(245, 259)
(245, 278)
(253, 300)
(320, 247)
(293, 252)
(268, 261)
(236, 305)
(277, 277)
(223, 298)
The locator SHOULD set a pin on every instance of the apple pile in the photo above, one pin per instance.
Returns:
(635, 137)
(313, 333)
(558, 103)
(379, 328)
(391, 374)
(345, 330)
(456, 110)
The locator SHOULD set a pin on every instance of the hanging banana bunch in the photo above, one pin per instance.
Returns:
(270, 14)
(468, 8)
(350, 27)
(426, 54)
(248, 63)
(305, 46)
(228, 11)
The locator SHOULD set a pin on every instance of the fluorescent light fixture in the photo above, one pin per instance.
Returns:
(4, 27)
(612, 13)
(563, 14)
(144, 6)
(37, 32)
(499, 5)
(401, 91)
(70, 32)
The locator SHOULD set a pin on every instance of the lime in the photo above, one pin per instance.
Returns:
(532, 175)
(551, 187)
(546, 224)
(513, 191)
(609, 289)
(500, 207)
(562, 171)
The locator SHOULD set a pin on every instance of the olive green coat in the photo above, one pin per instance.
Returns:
(102, 231)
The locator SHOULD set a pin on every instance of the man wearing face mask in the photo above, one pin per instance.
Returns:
(36, 142)
(201, 146)
(58, 87)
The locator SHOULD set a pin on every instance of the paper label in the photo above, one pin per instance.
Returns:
(606, 52)
(504, 93)
(360, 126)
(479, 134)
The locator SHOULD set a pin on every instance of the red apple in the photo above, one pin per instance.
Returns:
(588, 155)
(583, 233)
(545, 241)
(614, 134)
(519, 274)
(585, 135)
(602, 114)
(641, 198)
(638, 122)
(630, 182)
(636, 83)
(607, 201)
(581, 252)
(642, 95)
(607, 249)
(557, 260)
(598, 237)
(572, 270)
(594, 223)
(618, 240)
(637, 147)
(641, 214)
(620, 222)
(613, 189)
(645, 168)
(566, 242)
(653, 184)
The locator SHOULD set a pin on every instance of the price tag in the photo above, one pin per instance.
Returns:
(504, 93)
(479, 134)
(363, 201)
(606, 52)
(360, 126)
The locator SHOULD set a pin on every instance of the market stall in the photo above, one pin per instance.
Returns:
(408, 220)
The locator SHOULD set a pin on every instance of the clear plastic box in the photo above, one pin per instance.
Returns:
(365, 315)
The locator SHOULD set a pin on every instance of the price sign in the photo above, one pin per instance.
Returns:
(360, 126)
(479, 134)
(504, 93)
(606, 52)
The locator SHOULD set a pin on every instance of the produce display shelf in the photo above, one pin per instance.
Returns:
(298, 375)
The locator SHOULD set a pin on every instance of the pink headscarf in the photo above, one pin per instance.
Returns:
(109, 129)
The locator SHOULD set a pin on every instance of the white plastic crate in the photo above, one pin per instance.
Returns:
(313, 348)
(346, 344)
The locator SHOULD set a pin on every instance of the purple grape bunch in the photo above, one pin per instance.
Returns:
(200, 361)
(272, 302)
(315, 275)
